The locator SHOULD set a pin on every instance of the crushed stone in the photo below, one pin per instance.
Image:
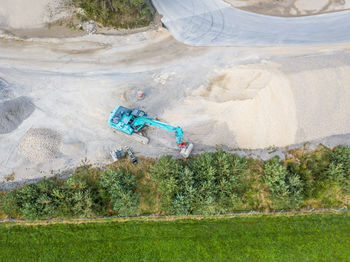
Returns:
(13, 112)
(40, 145)
(5, 91)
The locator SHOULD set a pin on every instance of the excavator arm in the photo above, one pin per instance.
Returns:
(139, 122)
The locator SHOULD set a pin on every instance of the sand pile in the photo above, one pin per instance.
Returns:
(245, 107)
(13, 112)
(40, 145)
(22, 14)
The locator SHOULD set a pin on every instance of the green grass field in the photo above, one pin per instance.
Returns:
(264, 238)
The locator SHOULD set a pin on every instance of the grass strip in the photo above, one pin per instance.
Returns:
(261, 238)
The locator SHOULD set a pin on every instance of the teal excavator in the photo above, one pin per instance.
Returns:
(131, 122)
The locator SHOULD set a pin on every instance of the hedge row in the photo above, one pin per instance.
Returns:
(210, 183)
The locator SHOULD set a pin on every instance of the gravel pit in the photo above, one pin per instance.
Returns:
(13, 112)
(40, 145)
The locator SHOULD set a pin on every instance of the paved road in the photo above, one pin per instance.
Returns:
(215, 23)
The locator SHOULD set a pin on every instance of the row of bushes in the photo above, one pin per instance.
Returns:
(116, 13)
(211, 183)
(221, 182)
(78, 196)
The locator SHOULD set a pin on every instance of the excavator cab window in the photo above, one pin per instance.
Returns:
(115, 120)
(138, 113)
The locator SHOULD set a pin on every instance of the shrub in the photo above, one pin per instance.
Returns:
(311, 167)
(8, 204)
(119, 188)
(88, 177)
(209, 183)
(51, 198)
(339, 168)
(218, 181)
(167, 172)
(76, 197)
(116, 13)
(285, 187)
(38, 200)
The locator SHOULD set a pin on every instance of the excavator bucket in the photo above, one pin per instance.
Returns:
(186, 151)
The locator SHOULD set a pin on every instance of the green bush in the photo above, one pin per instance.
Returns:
(76, 197)
(219, 180)
(84, 183)
(86, 193)
(119, 188)
(38, 200)
(48, 199)
(116, 13)
(8, 204)
(210, 183)
(339, 168)
(167, 172)
(207, 184)
(311, 167)
(285, 187)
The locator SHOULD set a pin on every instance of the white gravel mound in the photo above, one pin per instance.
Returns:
(40, 145)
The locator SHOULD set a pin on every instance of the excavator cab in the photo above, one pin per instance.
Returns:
(138, 113)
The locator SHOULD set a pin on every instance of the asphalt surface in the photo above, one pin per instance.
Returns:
(215, 23)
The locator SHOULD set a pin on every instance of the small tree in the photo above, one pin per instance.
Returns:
(37, 201)
(119, 188)
(285, 187)
(339, 168)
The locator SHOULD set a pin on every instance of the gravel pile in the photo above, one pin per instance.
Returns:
(40, 145)
(5, 91)
(13, 112)
(3, 83)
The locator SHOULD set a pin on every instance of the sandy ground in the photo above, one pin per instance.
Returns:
(290, 8)
(52, 18)
(236, 97)
(247, 100)
(21, 14)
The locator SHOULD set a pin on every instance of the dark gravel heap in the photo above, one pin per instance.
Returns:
(13, 112)
(5, 91)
